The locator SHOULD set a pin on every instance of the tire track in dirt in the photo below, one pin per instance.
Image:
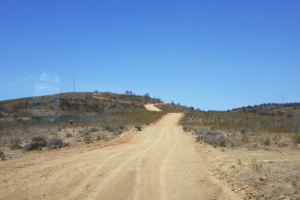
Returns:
(105, 183)
(93, 173)
(81, 189)
(162, 178)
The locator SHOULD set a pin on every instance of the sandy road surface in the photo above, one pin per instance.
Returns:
(159, 162)
(151, 107)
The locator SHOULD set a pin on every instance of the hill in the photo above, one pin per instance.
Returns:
(271, 109)
(107, 111)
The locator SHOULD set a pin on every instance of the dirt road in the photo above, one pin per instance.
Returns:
(159, 162)
(151, 107)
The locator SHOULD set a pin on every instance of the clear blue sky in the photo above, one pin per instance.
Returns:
(208, 54)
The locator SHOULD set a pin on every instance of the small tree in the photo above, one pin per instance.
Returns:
(126, 92)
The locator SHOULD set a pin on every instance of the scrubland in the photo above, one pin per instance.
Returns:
(71, 119)
(258, 155)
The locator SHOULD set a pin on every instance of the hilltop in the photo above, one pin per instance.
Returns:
(271, 109)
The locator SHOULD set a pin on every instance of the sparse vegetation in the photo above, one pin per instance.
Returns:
(254, 128)
(271, 109)
(239, 121)
(55, 113)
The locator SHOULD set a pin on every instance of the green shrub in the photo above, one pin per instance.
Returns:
(2, 156)
(15, 147)
(40, 139)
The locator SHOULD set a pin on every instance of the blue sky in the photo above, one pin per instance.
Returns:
(213, 55)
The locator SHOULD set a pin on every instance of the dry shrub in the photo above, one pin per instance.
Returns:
(40, 139)
(296, 138)
(88, 140)
(257, 166)
(2, 156)
(15, 147)
(267, 141)
(33, 146)
(55, 143)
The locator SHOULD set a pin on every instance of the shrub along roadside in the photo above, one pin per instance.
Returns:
(55, 143)
(2, 156)
(240, 121)
(213, 138)
(15, 147)
(40, 139)
(33, 146)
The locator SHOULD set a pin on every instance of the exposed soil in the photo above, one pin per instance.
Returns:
(151, 107)
(159, 162)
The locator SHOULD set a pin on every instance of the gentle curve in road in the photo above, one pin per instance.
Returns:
(160, 162)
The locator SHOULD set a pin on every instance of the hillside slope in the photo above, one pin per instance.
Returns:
(26, 117)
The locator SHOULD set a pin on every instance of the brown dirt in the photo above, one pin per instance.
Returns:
(160, 162)
(257, 173)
